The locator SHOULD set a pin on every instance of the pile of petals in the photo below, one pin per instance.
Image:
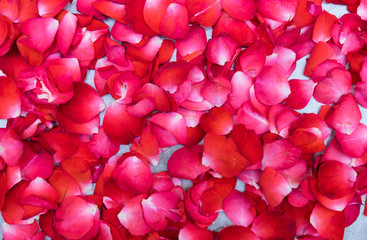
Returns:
(207, 78)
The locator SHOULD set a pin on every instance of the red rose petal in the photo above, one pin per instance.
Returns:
(36, 28)
(237, 232)
(239, 208)
(221, 154)
(9, 98)
(186, 156)
(330, 224)
(132, 218)
(274, 224)
(77, 217)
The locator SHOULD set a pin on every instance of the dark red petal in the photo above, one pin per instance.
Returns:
(330, 224)
(9, 98)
